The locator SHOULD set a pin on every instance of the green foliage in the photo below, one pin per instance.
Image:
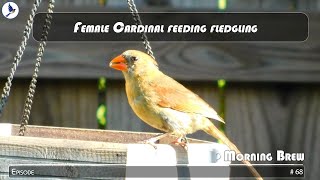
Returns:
(101, 115)
(222, 4)
(221, 83)
(102, 84)
(102, 108)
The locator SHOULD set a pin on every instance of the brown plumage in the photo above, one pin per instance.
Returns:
(165, 104)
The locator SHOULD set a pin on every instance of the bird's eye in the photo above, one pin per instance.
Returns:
(133, 58)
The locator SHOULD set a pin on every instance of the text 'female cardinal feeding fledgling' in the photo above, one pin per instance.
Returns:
(165, 104)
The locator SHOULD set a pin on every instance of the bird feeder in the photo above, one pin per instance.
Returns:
(73, 147)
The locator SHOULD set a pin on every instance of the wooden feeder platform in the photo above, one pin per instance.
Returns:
(56, 145)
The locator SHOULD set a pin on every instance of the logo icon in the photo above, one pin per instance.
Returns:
(10, 10)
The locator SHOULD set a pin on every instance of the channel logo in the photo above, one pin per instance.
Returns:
(10, 10)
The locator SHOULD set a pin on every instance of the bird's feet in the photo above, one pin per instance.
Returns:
(151, 141)
(182, 141)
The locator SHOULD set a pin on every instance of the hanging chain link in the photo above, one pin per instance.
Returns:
(42, 44)
(18, 56)
(32, 88)
(136, 18)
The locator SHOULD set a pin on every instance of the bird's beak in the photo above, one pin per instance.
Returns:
(119, 63)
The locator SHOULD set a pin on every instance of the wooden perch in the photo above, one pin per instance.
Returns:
(55, 145)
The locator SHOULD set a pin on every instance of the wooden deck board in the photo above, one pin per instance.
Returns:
(72, 146)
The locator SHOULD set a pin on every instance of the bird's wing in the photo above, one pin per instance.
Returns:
(171, 94)
(10, 8)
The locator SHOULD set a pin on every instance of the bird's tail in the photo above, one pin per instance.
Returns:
(216, 133)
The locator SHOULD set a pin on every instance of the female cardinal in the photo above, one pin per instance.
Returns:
(165, 104)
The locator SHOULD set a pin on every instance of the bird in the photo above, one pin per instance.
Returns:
(11, 10)
(165, 104)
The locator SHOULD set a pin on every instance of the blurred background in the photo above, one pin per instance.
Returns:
(269, 93)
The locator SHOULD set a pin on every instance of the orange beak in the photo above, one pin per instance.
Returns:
(119, 63)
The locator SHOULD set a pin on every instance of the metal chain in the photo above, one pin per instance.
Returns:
(32, 88)
(136, 18)
(18, 56)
